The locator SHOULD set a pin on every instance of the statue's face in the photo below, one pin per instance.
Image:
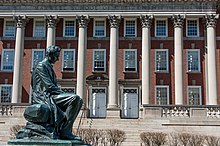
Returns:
(54, 57)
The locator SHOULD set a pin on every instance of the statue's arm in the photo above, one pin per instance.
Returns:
(47, 81)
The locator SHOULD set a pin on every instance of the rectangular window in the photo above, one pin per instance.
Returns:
(194, 95)
(9, 30)
(193, 60)
(192, 28)
(68, 59)
(37, 56)
(130, 28)
(6, 93)
(161, 60)
(7, 60)
(162, 95)
(99, 28)
(39, 28)
(69, 28)
(130, 60)
(161, 28)
(99, 60)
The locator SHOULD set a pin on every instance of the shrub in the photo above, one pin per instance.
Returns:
(153, 138)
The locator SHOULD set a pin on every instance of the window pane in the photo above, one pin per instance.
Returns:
(192, 28)
(8, 60)
(99, 28)
(193, 61)
(161, 61)
(161, 28)
(68, 61)
(130, 61)
(162, 95)
(6, 92)
(39, 29)
(10, 29)
(99, 60)
(194, 96)
(37, 57)
(130, 28)
(69, 28)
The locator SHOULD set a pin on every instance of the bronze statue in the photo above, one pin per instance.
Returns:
(53, 111)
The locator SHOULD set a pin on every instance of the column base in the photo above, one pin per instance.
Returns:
(113, 112)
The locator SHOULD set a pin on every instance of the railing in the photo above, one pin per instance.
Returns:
(6, 109)
(213, 112)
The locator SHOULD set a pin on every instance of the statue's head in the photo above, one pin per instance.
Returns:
(53, 53)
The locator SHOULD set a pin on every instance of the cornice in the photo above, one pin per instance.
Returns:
(98, 1)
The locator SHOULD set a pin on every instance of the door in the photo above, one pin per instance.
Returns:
(98, 102)
(130, 103)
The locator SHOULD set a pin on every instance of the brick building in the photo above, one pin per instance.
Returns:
(117, 54)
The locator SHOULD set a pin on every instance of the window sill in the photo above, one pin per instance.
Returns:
(161, 71)
(194, 72)
(65, 71)
(6, 71)
(129, 71)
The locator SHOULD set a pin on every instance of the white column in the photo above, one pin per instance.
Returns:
(178, 21)
(113, 66)
(18, 60)
(81, 64)
(211, 21)
(51, 29)
(146, 22)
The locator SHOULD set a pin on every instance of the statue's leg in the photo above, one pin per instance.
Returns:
(71, 104)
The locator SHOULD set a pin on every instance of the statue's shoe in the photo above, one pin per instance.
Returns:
(70, 137)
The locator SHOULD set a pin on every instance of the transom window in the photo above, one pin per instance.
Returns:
(6, 93)
(39, 28)
(192, 28)
(193, 60)
(68, 89)
(162, 95)
(9, 28)
(161, 28)
(130, 60)
(68, 60)
(69, 28)
(7, 60)
(194, 95)
(37, 56)
(161, 60)
(99, 60)
(99, 28)
(130, 28)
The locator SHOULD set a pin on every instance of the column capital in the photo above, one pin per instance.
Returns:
(146, 20)
(178, 20)
(52, 21)
(211, 20)
(114, 20)
(83, 21)
(20, 21)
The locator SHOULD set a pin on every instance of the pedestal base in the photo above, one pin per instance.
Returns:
(25, 142)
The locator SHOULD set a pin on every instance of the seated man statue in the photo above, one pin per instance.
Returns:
(53, 111)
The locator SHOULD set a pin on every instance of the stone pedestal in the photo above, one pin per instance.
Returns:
(25, 142)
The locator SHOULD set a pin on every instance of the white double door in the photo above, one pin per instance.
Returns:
(98, 102)
(130, 106)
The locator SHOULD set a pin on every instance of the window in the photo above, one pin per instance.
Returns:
(130, 28)
(192, 28)
(161, 28)
(193, 60)
(194, 95)
(6, 93)
(130, 60)
(7, 60)
(99, 58)
(69, 28)
(68, 63)
(162, 95)
(161, 60)
(37, 56)
(9, 30)
(39, 28)
(99, 28)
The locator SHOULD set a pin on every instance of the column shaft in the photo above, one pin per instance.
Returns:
(18, 60)
(113, 67)
(51, 29)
